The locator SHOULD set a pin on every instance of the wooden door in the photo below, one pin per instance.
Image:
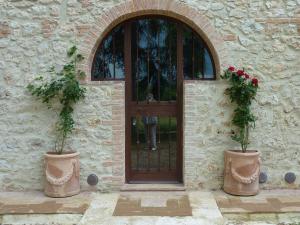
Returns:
(153, 67)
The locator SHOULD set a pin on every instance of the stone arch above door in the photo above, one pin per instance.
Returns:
(133, 8)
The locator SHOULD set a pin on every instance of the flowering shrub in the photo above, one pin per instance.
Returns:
(242, 91)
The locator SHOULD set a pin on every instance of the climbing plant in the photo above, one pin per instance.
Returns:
(64, 88)
(242, 92)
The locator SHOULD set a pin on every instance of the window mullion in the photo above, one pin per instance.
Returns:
(114, 54)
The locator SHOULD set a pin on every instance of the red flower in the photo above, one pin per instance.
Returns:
(254, 81)
(231, 68)
(240, 72)
(247, 76)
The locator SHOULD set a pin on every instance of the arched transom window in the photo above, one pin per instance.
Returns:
(154, 51)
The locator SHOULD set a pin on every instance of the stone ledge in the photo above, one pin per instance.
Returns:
(153, 187)
(41, 219)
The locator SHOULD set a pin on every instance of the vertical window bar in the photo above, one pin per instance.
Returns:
(148, 58)
(203, 60)
(137, 63)
(169, 142)
(103, 63)
(137, 142)
(114, 53)
(148, 142)
(100, 66)
(170, 72)
(158, 81)
(202, 63)
(193, 56)
(158, 61)
(158, 143)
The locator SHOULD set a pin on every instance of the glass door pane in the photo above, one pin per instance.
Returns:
(153, 143)
(153, 106)
(154, 60)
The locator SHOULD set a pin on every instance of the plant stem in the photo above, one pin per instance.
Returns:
(244, 137)
(62, 144)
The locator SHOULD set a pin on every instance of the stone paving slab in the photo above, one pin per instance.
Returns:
(41, 219)
(204, 211)
(153, 204)
(266, 218)
(38, 203)
(153, 187)
(275, 201)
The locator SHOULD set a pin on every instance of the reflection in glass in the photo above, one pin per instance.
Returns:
(153, 143)
(154, 57)
(150, 126)
(109, 59)
(209, 71)
(187, 54)
(198, 63)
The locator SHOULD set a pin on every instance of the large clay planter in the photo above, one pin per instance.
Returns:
(62, 174)
(241, 173)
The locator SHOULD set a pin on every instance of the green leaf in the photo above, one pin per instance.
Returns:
(81, 74)
(241, 93)
(65, 89)
(30, 87)
(51, 69)
(71, 51)
(79, 57)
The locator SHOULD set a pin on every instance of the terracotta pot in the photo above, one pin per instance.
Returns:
(241, 172)
(62, 174)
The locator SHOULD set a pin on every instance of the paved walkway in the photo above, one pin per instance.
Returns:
(147, 208)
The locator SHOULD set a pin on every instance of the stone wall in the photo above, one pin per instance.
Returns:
(262, 36)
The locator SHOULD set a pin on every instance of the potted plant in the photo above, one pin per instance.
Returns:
(242, 167)
(60, 93)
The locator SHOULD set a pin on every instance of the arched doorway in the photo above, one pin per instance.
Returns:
(153, 54)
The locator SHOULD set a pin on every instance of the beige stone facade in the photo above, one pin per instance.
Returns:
(262, 36)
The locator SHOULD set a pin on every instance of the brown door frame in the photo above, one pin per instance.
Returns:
(180, 101)
(128, 97)
(164, 109)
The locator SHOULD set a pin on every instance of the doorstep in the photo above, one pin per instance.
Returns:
(153, 187)
(203, 206)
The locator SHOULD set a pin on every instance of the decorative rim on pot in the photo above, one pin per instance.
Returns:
(63, 155)
(239, 152)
